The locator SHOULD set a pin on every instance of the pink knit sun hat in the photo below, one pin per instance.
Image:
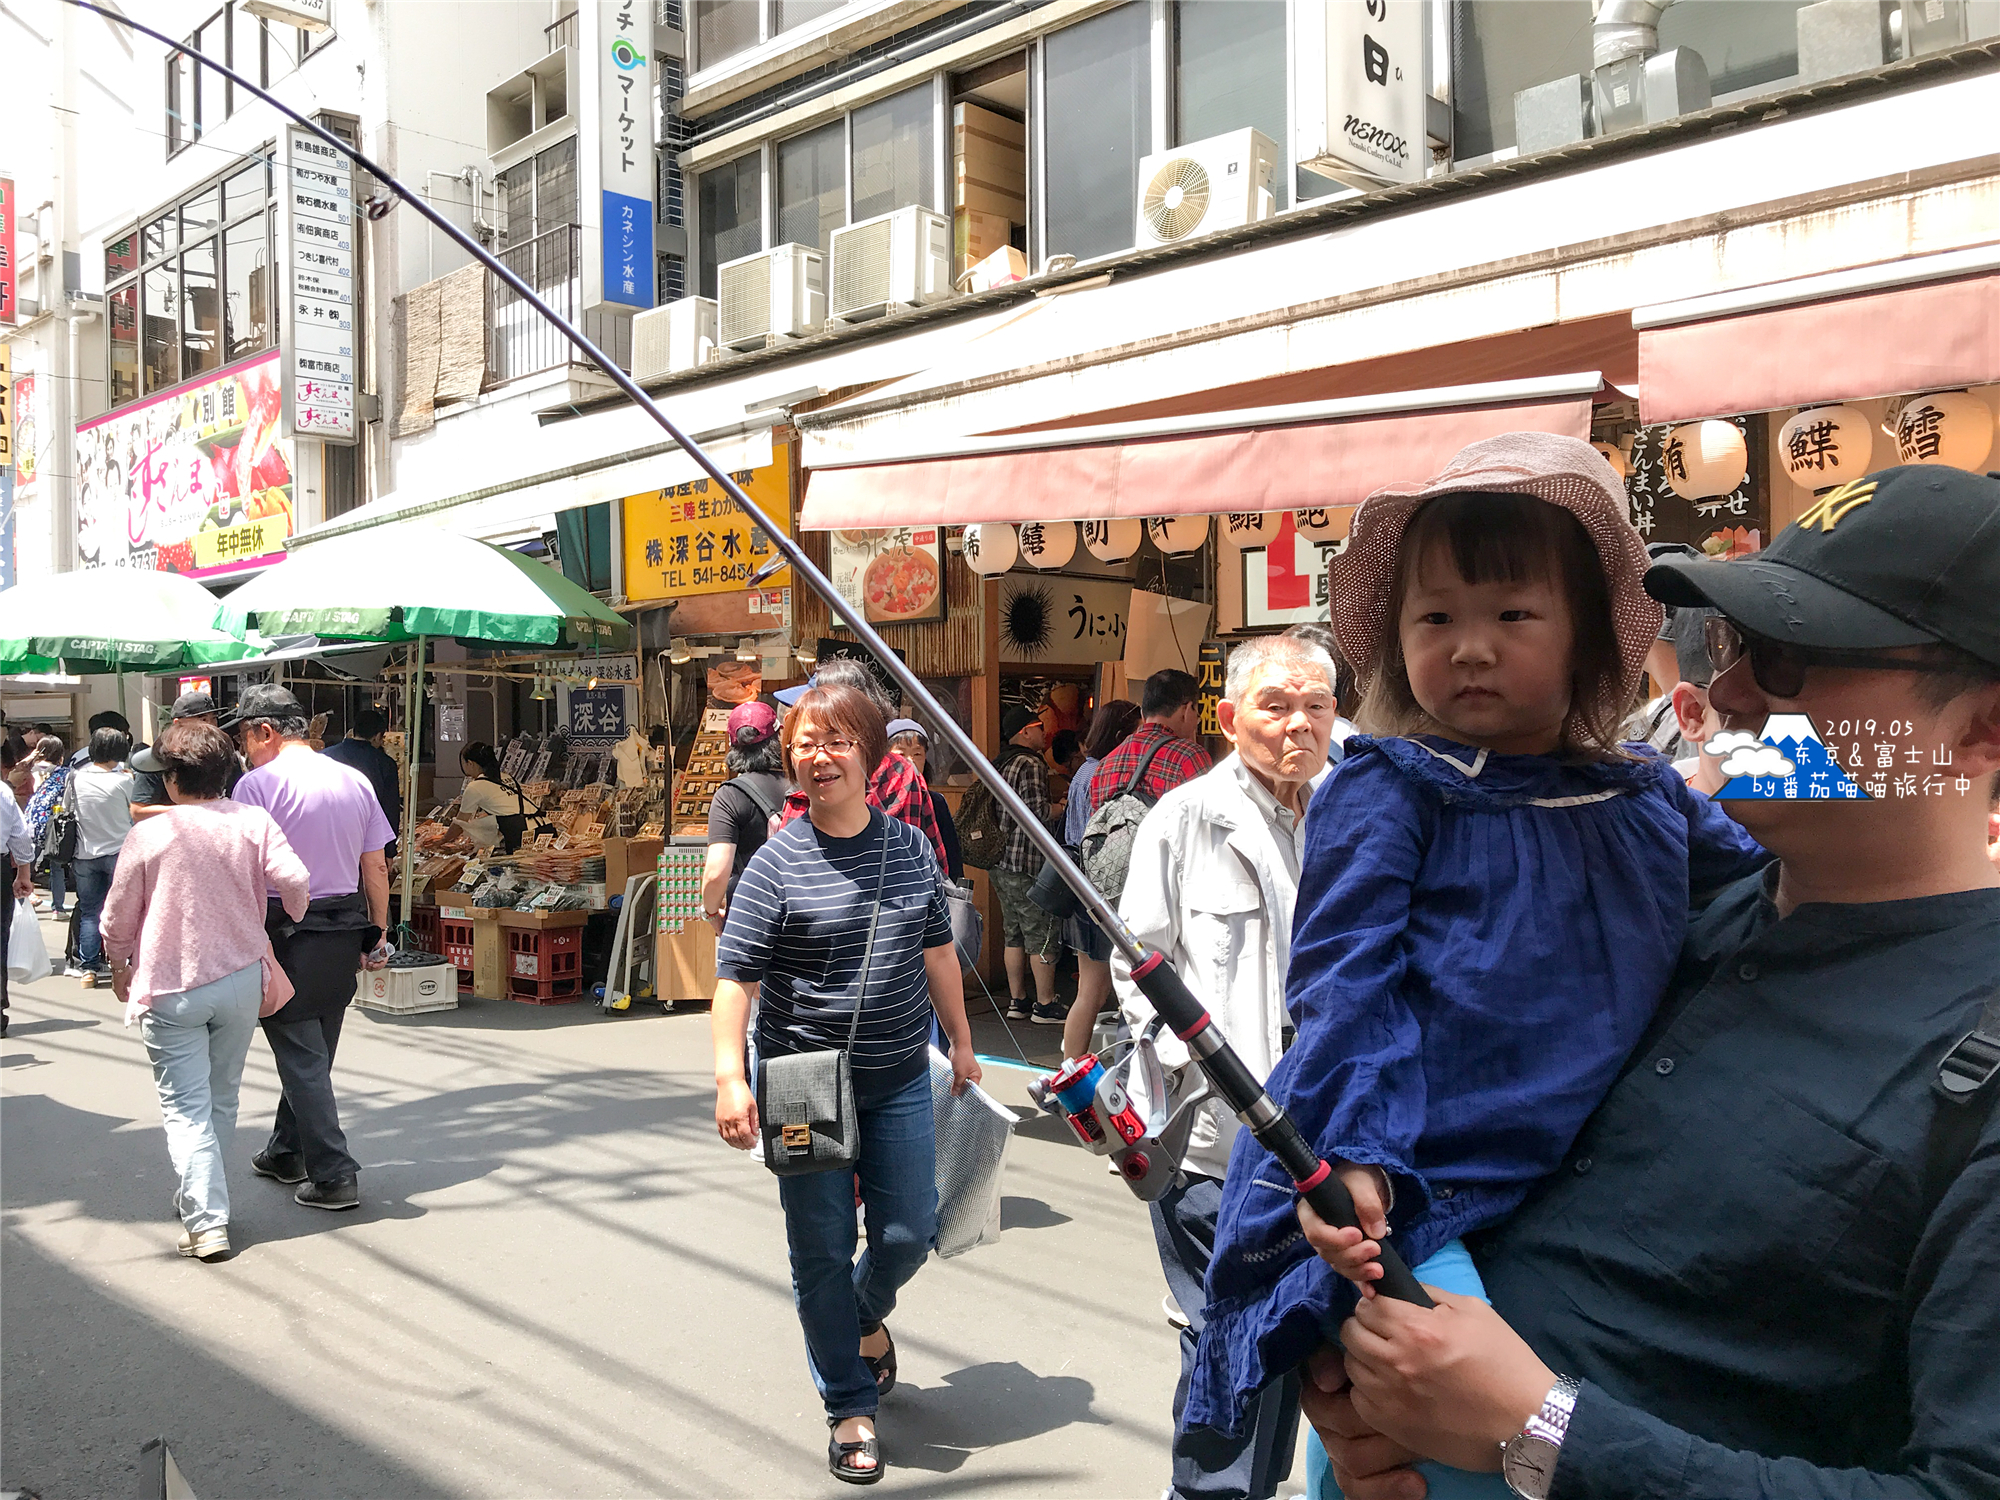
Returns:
(1564, 471)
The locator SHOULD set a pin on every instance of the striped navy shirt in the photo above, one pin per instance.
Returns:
(798, 925)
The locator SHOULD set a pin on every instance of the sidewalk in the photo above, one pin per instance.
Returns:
(559, 1283)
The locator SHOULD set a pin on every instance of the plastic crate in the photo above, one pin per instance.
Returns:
(545, 964)
(455, 939)
(424, 928)
(407, 990)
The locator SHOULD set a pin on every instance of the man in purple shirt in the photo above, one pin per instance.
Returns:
(331, 817)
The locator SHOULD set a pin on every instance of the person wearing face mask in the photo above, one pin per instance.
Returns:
(1212, 884)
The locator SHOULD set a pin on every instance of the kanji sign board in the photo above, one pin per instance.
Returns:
(692, 539)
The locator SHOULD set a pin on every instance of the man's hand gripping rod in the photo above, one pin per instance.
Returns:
(1185, 1014)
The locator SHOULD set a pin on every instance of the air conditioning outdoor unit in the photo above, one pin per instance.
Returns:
(667, 340)
(1219, 183)
(898, 259)
(775, 294)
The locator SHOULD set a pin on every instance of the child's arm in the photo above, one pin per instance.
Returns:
(1720, 852)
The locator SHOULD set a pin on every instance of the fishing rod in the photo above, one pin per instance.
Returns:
(1155, 977)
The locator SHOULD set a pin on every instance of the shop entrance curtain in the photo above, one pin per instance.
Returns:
(1939, 335)
(1298, 466)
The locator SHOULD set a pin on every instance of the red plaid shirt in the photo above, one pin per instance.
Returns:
(898, 788)
(1179, 760)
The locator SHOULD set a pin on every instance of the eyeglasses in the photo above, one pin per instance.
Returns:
(1780, 667)
(806, 749)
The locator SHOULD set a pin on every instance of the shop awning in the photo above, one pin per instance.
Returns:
(1322, 453)
(1929, 322)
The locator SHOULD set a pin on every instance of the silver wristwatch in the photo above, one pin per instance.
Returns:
(1528, 1459)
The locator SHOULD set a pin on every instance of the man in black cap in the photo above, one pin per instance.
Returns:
(332, 821)
(362, 749)
(1767, 1267)
(149, 785)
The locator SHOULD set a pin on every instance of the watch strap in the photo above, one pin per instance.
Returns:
(1551, 1423)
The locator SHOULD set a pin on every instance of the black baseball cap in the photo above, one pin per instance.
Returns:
(263, 700)
(192, 706)
(1016, 719)
(1908, 556)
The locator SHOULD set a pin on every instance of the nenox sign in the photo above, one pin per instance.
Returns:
(1361, 95)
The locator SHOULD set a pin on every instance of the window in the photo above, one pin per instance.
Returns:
(199, 98)
(794, 13)
(730, 222)
(191, 289)
(723, 28)
(539, 193)
(895, 152)
(812, 185)
(1099, 89)
(1500, 47)
(1744, 42)
(1229, 72)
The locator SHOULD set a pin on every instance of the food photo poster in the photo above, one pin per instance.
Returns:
(893, 577)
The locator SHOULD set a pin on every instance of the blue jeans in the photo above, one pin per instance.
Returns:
(93, 884)
(836, 1295)
(55, 889)
(197, 1040)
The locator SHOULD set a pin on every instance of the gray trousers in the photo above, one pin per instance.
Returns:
(308, 1123)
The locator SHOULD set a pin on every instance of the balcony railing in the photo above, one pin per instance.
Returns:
(520, 341)
(561, 33)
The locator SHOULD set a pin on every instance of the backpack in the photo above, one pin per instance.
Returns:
(1106, 851)
(58, 841)
(981, 839)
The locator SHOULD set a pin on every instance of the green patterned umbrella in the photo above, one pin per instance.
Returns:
(112, 620)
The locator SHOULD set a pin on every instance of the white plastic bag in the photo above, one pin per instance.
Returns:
(973, 1129)
(27, 954)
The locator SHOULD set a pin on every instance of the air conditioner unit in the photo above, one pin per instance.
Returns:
(775, 294)
(667, 340)
(899, 259)
(1218, 183)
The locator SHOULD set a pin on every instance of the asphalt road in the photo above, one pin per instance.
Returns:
(560, 1283)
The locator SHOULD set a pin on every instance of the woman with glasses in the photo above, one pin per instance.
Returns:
(841, 911)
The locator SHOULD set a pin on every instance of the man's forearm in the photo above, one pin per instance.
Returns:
(375, 886)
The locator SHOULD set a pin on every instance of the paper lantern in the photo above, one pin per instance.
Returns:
(1178, 533)
(1252, 528)
(1827, 445)
(1329, 525)
(1614, 457)
(990, 549)
(1705, 459)
(1047, 544)
(1951, 427)
(1112, 541)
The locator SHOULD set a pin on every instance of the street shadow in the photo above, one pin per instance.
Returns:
(22, 1059)
(1029, 1213)
(42, 1028)
(982, 1406)
(90, 1379)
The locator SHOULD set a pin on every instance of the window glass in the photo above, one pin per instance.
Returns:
(160, 353)
(895, 153)
(202, 215)
(201, 311)
(162, 235)
(1229, 72)
(121, 255)
(246, 54)
(1500, 47)
(245, 191)
(798, 12)
(211, 88)
(122, 321)
(1099, 89)
(555, 186)
(723, 28)
(730, 219)
(182, 128)
(246, 302)
(812, 185)
(516, 187)
(1746, 43)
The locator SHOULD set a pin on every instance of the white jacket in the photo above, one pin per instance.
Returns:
(1210, 887)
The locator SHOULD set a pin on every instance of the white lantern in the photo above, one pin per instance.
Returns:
(990, 549)
(1951, 427)
(1178, 533)
(1254, 528)
(1614, 457)
(1047, 544)
(1329, 525)
(1112, 541)
(1705, 459)
(1827, 445)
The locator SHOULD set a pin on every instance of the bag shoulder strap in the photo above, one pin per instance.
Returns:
(751, 790)
(1967, 1085)
(1139, 776)
(874, 921)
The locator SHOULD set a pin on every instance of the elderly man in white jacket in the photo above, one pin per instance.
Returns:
(1214, 878)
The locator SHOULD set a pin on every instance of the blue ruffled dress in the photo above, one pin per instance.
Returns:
(1480, 941)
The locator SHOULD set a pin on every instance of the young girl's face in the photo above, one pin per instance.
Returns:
(1489, 662)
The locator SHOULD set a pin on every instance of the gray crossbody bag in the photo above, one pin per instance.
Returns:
(805, 1100)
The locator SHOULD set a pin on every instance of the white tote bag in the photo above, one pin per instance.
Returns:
(27, 954)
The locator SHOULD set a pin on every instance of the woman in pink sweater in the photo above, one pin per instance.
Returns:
(183, 928)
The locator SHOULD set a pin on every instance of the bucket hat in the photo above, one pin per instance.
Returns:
(1563, 471)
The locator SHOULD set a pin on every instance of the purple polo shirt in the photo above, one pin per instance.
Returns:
(328, 812)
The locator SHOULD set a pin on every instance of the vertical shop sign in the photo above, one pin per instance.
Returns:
(6, 406)
(316, 237)
(1732, 525)
(625, 149)
(27, 438)
(9, 285)
(1362, 120)
(1210, 676)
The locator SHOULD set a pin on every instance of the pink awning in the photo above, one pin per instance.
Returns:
(1937, 335)
(1265, 462)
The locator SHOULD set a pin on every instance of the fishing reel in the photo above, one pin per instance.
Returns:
(1120, 1105)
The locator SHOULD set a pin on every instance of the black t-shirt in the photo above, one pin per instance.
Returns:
(735, 818)
(149, 788)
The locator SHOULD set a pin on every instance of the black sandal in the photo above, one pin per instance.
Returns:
(883, 1365)
(837, 1454)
